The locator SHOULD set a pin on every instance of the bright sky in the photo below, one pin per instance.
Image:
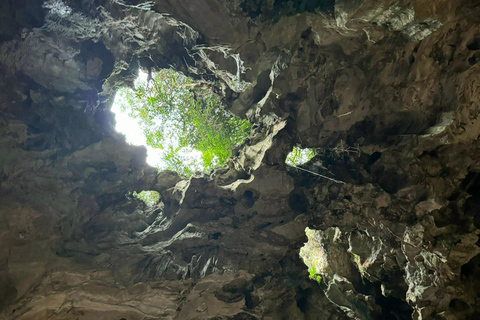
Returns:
(132, 131)
(134, 135)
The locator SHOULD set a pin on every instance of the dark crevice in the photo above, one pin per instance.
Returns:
(298, 201)
(473, 44)
(273, 11)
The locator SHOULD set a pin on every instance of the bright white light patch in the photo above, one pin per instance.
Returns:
(133, 133)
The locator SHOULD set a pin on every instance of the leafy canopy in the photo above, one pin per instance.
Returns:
(181, 116)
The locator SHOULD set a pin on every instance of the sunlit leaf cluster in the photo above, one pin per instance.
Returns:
(149, 197)
(312, 274)
(300, 156)
(179, 116)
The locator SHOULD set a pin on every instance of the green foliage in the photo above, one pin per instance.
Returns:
(299, 156)
(314, 275)
(149, 197)
(180, 116)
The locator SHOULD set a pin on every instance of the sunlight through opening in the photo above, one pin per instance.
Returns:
(131, 129)
(299, 156)
(180, 122)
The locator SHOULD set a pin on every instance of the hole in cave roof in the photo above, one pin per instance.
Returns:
(149, 197)
(180, 121)
(299, 156)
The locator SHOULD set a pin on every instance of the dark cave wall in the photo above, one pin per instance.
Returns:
(398, 82)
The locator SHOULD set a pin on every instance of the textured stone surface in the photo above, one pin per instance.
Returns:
(388, 92)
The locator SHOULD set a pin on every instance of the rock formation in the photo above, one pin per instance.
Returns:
(387, 91)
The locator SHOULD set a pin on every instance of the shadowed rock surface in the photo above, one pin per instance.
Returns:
(387, 91)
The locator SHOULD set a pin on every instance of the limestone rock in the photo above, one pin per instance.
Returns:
(386, 92)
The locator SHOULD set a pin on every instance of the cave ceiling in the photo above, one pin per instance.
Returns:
(388, 91)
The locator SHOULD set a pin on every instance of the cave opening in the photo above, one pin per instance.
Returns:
(299, 156)
(149, 197)
(181, 121)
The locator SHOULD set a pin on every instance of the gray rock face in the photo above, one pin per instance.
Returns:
(387, 92)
